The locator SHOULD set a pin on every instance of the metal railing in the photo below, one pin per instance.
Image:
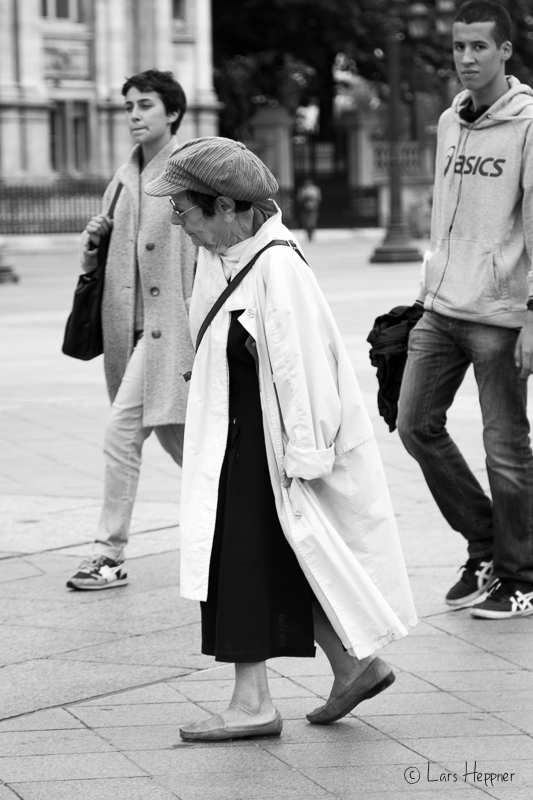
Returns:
(413, 158)
(64, 206)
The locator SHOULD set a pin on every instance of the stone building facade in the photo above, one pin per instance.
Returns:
(62, 66)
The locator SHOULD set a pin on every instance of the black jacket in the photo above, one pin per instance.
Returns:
(389, 339)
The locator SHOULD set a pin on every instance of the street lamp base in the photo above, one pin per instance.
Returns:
(390, 253)
(397, 246)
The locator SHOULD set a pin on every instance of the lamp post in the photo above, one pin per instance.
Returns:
(397, 245)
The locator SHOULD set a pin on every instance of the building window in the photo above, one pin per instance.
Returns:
(62, 9)
(69, 137)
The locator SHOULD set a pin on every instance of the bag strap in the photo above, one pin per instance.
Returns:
(230, 288)
(232, 285)
(114, 201)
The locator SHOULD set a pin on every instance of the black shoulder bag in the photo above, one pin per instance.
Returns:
(230, 288)
(83, 332)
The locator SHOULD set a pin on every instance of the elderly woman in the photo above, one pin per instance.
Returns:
(288, 535)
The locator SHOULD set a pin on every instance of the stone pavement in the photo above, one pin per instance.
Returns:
(94, 686)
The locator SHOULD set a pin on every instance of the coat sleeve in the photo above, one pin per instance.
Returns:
(89, 257)
(298, 326)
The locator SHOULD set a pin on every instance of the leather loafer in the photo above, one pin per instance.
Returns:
(376, 677)
(219, 732)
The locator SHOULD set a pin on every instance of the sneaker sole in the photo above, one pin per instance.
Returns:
(481, 613)
(470, 599)
(72, 584)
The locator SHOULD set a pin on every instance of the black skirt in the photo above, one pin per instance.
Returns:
(259, 602)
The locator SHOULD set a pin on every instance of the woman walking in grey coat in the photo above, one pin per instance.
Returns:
(147, 343)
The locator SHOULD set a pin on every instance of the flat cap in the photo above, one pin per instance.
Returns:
(216, 166)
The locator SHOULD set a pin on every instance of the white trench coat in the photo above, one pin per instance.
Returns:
(328, 480)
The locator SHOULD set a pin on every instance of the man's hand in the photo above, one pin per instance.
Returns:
(523, 354)
(98, 227)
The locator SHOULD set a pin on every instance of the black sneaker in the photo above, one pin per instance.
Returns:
(505, 601)
(99, 572)
(477, 578)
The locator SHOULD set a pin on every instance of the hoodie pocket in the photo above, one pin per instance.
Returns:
(468, 276)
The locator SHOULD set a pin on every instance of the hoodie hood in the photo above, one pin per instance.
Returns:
(515, 104)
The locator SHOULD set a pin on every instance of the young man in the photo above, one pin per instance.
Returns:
(147, 342)
(477, 292)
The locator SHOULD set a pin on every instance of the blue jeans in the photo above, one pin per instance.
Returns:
(440, 351)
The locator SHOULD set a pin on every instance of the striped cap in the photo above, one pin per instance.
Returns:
(216, 166)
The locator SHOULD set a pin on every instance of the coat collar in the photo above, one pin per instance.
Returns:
(131, 176)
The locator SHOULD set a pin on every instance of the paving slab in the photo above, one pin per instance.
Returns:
(496, 680)
(521, 719)
(413, 703)
(353, 784)
(8, 794)
(199, 691)
(192, 759)
(349, 729)
(50, 719)
(244, 786)
(22, 643)
(433, 726)
(145, 695)
(67, 767)
(457, 661)
(119, 611)
(173, 647)
(112, 715)
(518, 772)
(38, 743)
(485, 748)
(106, 789)
(338, 754)
(37, 684)
(499, 700)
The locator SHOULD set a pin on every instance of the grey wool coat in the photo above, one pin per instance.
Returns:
(142, 232)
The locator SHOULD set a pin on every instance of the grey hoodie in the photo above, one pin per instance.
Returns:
(482, 225)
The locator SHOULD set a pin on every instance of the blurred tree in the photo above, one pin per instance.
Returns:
(284, 51)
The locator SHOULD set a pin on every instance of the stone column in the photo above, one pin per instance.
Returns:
(358, 126)
(204, 105)
(272, 143)
(111, 68)
(8, 53)
(163, 34)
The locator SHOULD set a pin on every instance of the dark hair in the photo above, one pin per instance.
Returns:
(207, 203)
(486, 11)
(166, 86)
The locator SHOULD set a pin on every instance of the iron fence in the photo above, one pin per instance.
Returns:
(61, 207)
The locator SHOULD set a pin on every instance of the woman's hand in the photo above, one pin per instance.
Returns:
(99, 226)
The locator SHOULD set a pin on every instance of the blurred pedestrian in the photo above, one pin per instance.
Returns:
(308, 199)
(478, 296)
(288, 534)
(147, 343)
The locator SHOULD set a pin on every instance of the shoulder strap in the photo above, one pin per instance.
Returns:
(232, 285)
(114, 201)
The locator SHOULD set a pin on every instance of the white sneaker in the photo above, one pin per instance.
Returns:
(99, 572)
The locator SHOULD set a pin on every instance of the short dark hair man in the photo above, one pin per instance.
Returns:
(477, 292)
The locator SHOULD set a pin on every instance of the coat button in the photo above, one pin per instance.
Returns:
(150, 245)
(156, 334)
(154, 291)
(297, 513)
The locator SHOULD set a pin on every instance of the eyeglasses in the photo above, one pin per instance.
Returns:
(180, 214)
